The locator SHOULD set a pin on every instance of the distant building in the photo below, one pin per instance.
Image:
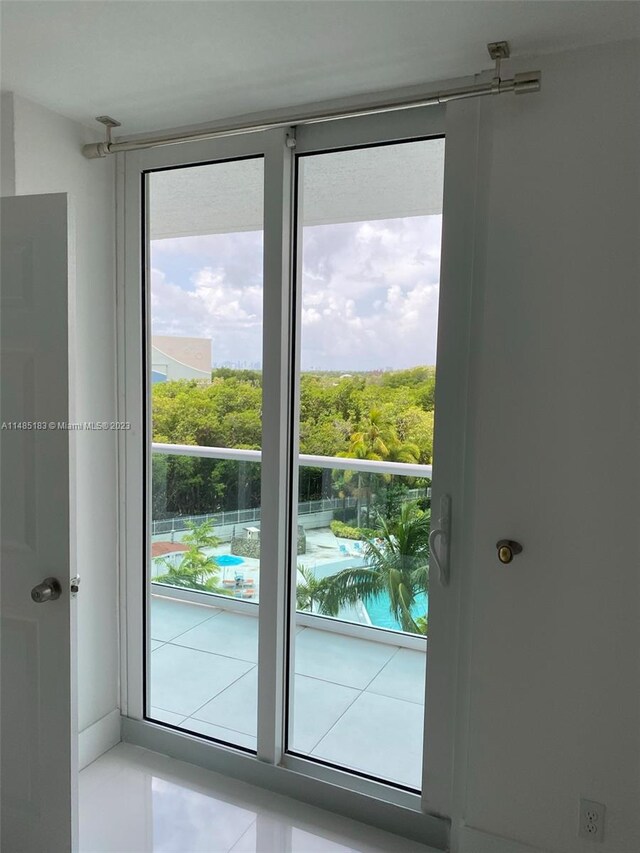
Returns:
(175, 357)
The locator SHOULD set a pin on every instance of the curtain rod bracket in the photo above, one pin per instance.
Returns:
(101, 149)
(498, 50)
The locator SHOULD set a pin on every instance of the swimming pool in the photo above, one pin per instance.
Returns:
(382, 617)
(229, 560)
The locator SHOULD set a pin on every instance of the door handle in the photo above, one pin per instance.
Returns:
(507, 550)
(48, 590)
(441, 533)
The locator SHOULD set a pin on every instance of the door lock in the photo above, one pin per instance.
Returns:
(48, 590)
(507, 550)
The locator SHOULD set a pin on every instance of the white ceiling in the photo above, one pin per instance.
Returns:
(156, 65)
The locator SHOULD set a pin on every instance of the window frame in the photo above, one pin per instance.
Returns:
(418, 816)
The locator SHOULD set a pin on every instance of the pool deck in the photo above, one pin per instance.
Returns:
(325, 555)
(357, 702)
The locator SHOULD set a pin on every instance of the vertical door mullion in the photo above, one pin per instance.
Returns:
(276, 425)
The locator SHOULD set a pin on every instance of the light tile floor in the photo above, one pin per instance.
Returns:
(136, 801)
(352, 697)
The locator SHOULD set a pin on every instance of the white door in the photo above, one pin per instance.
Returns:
(39, 765)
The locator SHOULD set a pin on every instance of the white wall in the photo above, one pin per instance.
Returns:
(549, 695)
(47, 158)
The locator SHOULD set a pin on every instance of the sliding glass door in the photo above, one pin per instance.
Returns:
(280, 378)
(368, 272)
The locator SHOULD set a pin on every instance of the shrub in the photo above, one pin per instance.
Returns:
(344, 531)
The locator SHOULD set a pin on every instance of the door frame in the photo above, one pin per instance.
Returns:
(399, 811)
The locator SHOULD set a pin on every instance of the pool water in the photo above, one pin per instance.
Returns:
(229, 560)
(382, 617)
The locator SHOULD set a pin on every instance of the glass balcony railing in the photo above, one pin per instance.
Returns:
(361, 524)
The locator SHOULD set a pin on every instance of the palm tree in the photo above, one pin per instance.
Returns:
(397, 563)
(423, 624)
(311, 592)
(201, 535)
(373, 438)
(403, 451)
(196, 570)
(369, 442)
(377, 439)
(342, 487)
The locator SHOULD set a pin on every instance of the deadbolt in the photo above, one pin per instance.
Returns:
(507, 550)
(48, 590)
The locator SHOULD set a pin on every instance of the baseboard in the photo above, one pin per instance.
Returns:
(98, 738)
(476, 841)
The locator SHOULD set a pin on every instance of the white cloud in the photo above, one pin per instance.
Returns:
(376, 287)
(369, 293)
(230, 316)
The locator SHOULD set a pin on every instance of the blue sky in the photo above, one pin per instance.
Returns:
(369, 293)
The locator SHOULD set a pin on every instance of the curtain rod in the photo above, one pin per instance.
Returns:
(529, 81)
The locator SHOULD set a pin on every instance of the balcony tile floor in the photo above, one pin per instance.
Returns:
(352, 696)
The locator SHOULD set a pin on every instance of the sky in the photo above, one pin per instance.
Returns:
(369, 293)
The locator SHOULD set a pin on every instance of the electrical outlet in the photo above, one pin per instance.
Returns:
(591, 820)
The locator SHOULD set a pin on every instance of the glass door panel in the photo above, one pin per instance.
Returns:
(204, 374)
(368, 284)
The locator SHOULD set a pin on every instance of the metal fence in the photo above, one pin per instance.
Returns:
(243, 516)
(250, 516)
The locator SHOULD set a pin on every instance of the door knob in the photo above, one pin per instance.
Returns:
(48, 590)
(507, 550)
